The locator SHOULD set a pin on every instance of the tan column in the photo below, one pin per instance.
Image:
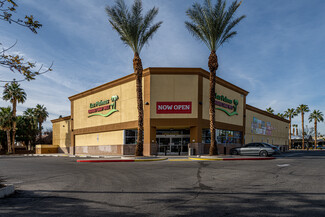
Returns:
(196, 134)
(72, 146)
(149, 144)
(244, 122)
(149, 140)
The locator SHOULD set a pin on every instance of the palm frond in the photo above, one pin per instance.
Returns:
(213, 24)
(134, 29)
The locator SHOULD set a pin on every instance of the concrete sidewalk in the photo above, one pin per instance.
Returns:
(104, 158)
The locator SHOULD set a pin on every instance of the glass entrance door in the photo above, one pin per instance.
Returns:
(173, 144)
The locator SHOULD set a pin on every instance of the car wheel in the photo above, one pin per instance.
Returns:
(263, 153)
(234, 152)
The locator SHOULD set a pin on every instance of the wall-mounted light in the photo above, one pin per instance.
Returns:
(146, 103)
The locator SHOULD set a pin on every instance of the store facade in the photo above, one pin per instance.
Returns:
(103, 120)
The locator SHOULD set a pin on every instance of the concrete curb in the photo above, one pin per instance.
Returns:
(196, 158)
(231, 159)
(7, 190)
(120, 160)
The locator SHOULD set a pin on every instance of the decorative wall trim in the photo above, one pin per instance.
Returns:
(257, 110)
(106, 128)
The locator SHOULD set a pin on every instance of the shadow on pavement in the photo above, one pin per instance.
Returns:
(27, 203)
(195, 201)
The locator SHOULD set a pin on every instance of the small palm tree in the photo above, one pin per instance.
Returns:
(213, 25)
(41, 114)
(13, 93)
(302, 109)
(6, 120)
(135, 30)
(270, 110)
(317, 116)
(290, 113)
(296, 129)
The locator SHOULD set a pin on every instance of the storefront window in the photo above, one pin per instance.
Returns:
(130, 136)
(222, 136)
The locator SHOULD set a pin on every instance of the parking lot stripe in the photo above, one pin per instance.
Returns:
(179, 160)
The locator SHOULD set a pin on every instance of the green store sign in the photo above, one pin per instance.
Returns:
(104, 106)
(226, 104)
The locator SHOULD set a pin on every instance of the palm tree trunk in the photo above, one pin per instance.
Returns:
(14, 108)
(297, 130)
(315, 133)
(290, 132)
(303, 131)
(213, 66)
(137, 67)
(40, 132)
(8, 141)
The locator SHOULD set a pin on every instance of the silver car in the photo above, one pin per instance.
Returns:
(257, 148)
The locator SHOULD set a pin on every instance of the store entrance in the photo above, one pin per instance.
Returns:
(173, 142)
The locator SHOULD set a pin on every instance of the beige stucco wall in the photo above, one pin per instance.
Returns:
(61, 133)
(220, 115)
(106, 138)
(126, 106)
(280, 130)
(173, 88)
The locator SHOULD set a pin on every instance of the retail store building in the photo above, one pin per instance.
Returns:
(103, 120)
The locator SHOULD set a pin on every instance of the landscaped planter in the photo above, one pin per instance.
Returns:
(46, 149)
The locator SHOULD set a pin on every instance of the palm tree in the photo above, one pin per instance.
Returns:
(134, 30)
(295, 131)
(14, 94)
(280, 115)
(212, 25)
(6, 124)
(32, 130)
(270, 110)
(290, 113)
(41, 114)
(302, 109)
(317, 116)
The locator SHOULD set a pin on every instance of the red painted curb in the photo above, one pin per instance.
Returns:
(101, 161)
(251, 158)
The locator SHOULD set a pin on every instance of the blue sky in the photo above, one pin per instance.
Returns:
(278, 54)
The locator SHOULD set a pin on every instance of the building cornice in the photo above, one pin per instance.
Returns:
(257, 110)
(159, 71)
(61, 119)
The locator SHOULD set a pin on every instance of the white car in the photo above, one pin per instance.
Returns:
(256, 148)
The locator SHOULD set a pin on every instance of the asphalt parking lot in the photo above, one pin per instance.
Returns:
(291, 185)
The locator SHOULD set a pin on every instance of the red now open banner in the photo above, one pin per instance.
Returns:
(174, 108)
